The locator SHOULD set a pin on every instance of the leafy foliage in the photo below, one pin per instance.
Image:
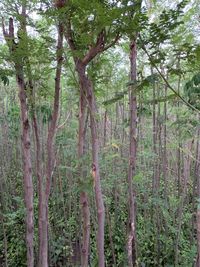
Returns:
(192, 90)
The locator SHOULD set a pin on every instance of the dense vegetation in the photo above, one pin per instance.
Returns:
(99, 136)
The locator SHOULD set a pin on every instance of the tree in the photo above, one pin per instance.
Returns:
(26, 145)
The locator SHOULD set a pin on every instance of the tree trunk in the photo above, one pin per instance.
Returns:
(27, 166)
(38, 154)
(114, 262)
(131, 242)
(84, 201)
(89, 91)
(105, 128)
(43, 261)
(39, 181)
(186, 172)
(25, 145)
(197, 172)
(154, 133)
(165, 149)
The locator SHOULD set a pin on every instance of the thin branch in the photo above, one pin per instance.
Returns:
(11, 28)
(68, 33)
(96, 49)
(165, 80)
(118, 36)
(5, 33)
(99, 47)
(63, 124)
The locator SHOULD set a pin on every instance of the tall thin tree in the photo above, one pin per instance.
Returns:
(25, 128)
(131, 241)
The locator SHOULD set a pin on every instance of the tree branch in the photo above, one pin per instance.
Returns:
(99, 47)
(68, 33)
(165, 80)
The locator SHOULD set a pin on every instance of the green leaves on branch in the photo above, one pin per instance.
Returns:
(118, 96)
(162, 99)
(192, 90)
(168, 21)
(138, 86)
(4, 74)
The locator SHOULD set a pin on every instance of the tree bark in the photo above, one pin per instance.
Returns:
(87, 86)
(131, 241)
(40, 184)
(27, 166)
(38, 152)
(43, 261)
(165, 148)
(186, 172)
(197, 172)
(84, 201)
(26, 144)
(89, 91)
(114, 262)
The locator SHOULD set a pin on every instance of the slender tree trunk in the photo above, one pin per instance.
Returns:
(157, 178)
(39, 173)
(84, 201)
(43, 261)
(27, 166)
(114, 263)
(39, 184)
(197, 174)
(87, 86)
(165, 149)
(89, 91)
(105, 128)
(2, 210)
(131, 241)
(37, 145)
(186, 172)
(154, 182)
(26, 144)
(96, 177)
(179, 187)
